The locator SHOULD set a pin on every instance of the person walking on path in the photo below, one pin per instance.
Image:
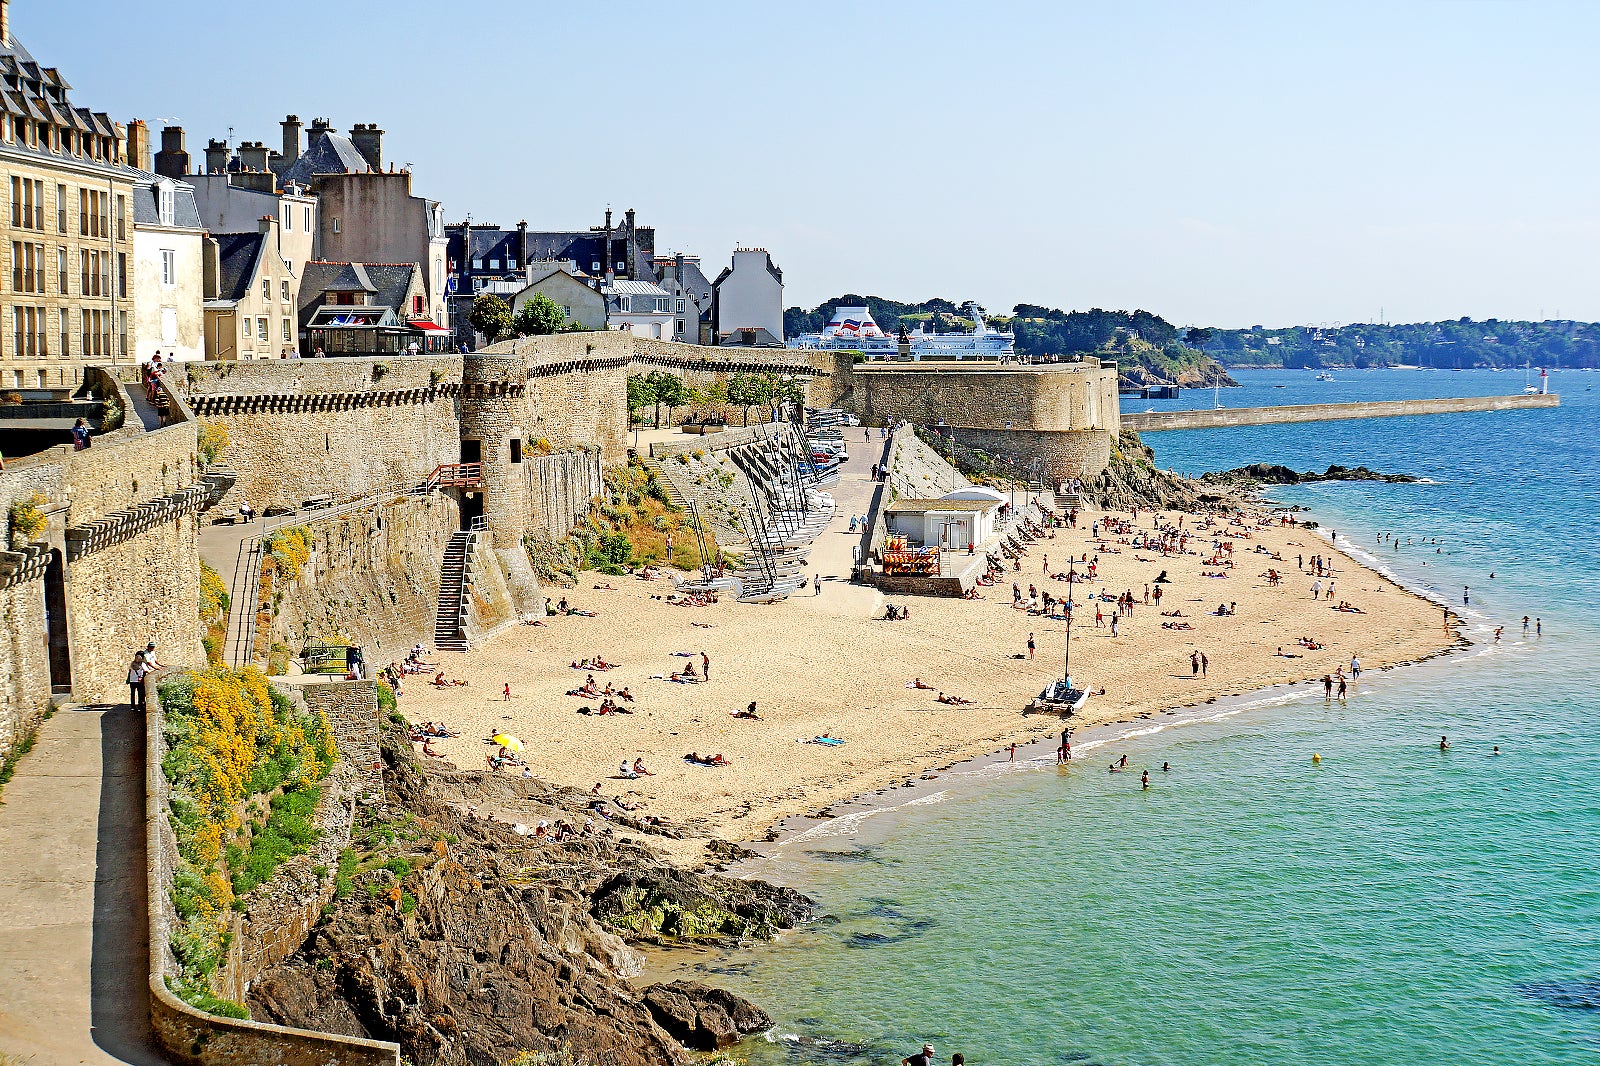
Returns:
(1355, 668)
(816, 584)
(1316, 590)
(1030, 645)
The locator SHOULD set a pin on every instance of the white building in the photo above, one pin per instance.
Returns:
(957, 521)
(641, 307)
(748, 296)
(168, 271)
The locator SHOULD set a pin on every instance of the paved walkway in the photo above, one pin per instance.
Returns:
(831, 553)
(73, 926)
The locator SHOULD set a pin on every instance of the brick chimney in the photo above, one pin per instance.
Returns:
(291, 140)
(522, 244)
(139, 144)
(173, 159)
(216, 156)
(368, 139)
(253, 156)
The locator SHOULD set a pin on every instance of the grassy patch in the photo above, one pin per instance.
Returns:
(23, 746)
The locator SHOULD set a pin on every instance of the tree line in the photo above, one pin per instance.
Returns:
(1464, 342)
(659, 389)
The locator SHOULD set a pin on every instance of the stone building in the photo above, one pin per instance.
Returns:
(642, 308)
(168, 271)
(68, 228)
(251, 305)
(366, 309)
(748, 295)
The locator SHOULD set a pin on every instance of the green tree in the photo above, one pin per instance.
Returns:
(670, 390)
(749, 390)
(539, 317)
(782, 390)
(490, 316)
(641, 394)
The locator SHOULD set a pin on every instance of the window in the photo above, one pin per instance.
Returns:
(308, 220)
(494, 264)
(416, 307)
(266, 288)
(61, 272)
(511, 263)
(283, 291)
(624, 304)
(288, 264)
(680, 305)
(261, 330)
(594, 267)
(516, 449)
(244, 326)
(169, 268)
(336, 225)
(477, 264)
(122, 333)
(167, 205)
(66, 332)
(122, 214)
(288, 218)
(287, 336)
(122, 274)
(83, 212)
(61, 209)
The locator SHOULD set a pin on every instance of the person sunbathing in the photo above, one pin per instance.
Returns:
(748, 712)
(624, 694)
(638, 768)
(954, 701)
(427, 748)
(1176, 625)
(917, 682)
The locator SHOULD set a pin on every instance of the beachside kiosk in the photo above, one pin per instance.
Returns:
(956, 521)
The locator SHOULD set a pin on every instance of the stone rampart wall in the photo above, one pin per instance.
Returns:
(121, 516)
(1054, 397)
(559, 488)
(1066, 455)
(1154, 421)
(372, 579)
(189, 1036)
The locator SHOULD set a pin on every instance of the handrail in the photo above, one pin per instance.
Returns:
(456, 475)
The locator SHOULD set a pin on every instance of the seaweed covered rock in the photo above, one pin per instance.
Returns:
(665, 902)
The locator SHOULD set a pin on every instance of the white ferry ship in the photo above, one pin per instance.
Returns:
(852, 329)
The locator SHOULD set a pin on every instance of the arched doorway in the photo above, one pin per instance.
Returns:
(55, 615)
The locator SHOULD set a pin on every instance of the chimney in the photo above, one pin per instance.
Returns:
(173, 159)
(291, 141)
(216, 156)
(522, 243)
(138, 143)
(211, 266)
(253, 156)
(605, 251)
(368, 139)
(633, 247)
(677, 271)
(267, 224)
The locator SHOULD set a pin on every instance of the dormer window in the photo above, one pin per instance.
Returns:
(167, 204)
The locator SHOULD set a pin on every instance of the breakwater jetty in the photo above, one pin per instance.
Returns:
(1153, 421)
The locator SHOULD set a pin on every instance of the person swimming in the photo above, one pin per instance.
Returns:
(1496, 750)
(1165, 767)
(1444, 743)
(1144, 779)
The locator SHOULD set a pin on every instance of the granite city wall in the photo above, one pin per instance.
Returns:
(1080, 396)
(189, 1036)
(120, 515)
(1154, 421)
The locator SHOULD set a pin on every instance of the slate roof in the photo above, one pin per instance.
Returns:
(237, 255)
(583, 247)
(147, 207)
(763, 339)
(386, 284)
(331, 153)
(49, 104)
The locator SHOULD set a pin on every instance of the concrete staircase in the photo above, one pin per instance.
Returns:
(449, 634)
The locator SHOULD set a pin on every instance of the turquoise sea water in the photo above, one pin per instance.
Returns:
(1394, 905)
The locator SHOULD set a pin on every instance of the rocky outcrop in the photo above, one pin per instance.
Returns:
(1274, 474)
(1133, 480)
(702, 1017)
(467, 944)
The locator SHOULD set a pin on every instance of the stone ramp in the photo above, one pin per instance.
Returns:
(73, 922)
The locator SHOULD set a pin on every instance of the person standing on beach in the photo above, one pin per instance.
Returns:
(1341, 687)
(669, 546)
(1327, 686)
(1316, 590)
(816, 584)
(1013, 756)
(1030, 645)
(1046, 566)
(1355, 668)
(1194, 662)
(1466, 595)
(1205, 664)
(505, 695)
(705, 665)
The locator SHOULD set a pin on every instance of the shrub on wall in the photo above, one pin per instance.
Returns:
(211, 439)
(27, 520)
(289, 547)
(214, 602)
(233, 746)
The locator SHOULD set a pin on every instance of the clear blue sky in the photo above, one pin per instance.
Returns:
(1217, 163)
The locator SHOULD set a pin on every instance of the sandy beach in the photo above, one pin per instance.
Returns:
(830, 664)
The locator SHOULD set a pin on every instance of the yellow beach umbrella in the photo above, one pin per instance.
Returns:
(510, 743)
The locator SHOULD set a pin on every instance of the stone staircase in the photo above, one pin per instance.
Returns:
(449, 632)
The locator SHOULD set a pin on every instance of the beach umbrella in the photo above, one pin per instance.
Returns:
(510, 743)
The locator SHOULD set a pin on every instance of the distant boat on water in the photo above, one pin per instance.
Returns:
(1324, 376)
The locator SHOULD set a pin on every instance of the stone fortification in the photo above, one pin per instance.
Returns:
(116, 565)
(372, 578)
(1064, 414)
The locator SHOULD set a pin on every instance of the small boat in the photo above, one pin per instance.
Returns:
(1058, 698)
(1324, 376)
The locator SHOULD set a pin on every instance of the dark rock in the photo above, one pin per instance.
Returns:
(702, 1017)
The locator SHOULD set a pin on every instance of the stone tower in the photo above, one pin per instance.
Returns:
(493, 414)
